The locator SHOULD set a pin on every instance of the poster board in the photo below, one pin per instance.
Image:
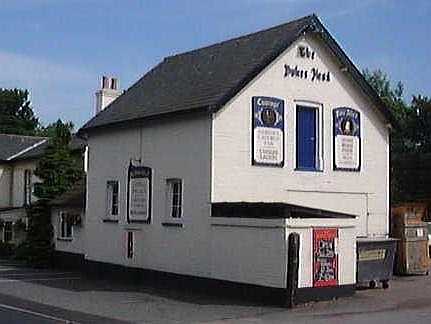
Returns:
(347, 139)
(267, 131)
(325, 257)
(139, 194)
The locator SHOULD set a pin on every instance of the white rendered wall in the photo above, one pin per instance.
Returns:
(249, 251)
(5, 178)
(175, 149)
(346, 248)
(363, 193)
(255, 251)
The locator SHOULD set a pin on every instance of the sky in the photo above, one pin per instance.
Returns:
(59, 49)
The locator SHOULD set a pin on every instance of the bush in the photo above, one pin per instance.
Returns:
(21, 252)
(6, 250)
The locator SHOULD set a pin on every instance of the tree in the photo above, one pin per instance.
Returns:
(419, 127)
(410, 139)
(51, 129)
(58, 170)
(393, 97)
(16, 114)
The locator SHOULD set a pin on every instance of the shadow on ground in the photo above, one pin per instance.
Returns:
(194, 291)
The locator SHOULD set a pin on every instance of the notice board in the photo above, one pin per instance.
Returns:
(267, 131)
(347, 139)
(325, 257)
(139, 194)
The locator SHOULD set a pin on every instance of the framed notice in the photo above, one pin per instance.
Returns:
(267, 131)
(325, 257)
(347, 139)
(139, 194)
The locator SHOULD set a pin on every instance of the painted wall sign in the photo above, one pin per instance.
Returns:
(313, 74)
(325, 257)
(306, 52)
(139, 194)
(268, 131)
(347, 139)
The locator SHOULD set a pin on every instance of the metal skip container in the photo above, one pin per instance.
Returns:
(412, 254)
(375, 261)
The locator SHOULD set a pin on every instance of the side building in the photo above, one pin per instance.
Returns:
(19, 156)
(17, 179)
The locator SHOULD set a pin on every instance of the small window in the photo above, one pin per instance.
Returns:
(175, 197)
(130, 245)
(27, 187)
(7, 232)
(65, 226)
(112, 198)
(308, 139)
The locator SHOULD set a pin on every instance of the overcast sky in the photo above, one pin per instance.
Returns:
(58, 49)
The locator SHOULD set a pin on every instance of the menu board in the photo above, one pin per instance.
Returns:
(347, 139)
(139, 194)
(268, 131)
(325, 258)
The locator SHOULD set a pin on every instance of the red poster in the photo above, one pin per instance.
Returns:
(325, 258)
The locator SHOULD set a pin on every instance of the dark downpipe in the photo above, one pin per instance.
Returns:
(292, 268)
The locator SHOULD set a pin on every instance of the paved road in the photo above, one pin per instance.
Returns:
(16, 307)
(18, 316)
(42, 296)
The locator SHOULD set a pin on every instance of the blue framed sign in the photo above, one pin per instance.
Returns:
(347, 139)
(267, 131)
(139, 194)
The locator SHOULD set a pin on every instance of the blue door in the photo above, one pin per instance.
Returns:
(306, 138)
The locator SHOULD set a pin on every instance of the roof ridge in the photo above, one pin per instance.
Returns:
(313, 15)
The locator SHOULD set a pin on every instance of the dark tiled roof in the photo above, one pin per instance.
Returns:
(200, 78)
(75, 197)
(14, 144)
(76, 144)
(207, 78)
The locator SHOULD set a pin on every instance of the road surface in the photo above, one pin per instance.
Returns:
(45, 296)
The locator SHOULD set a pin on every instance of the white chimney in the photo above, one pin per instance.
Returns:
(108, 93)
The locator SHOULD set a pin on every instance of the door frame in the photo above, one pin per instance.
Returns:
(319, 133)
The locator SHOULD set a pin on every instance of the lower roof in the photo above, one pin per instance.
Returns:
(11, 145)
(271, 210)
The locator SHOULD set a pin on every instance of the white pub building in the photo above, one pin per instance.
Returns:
(218, 159)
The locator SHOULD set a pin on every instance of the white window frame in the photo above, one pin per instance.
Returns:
(4, 232)
(109, 199)
(62, 221)
(170, 183)
(28, 190)
(320, 122)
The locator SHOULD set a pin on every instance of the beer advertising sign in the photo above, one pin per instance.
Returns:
(325, 257)
(347, 139)
(139, 194)
(267, 131)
